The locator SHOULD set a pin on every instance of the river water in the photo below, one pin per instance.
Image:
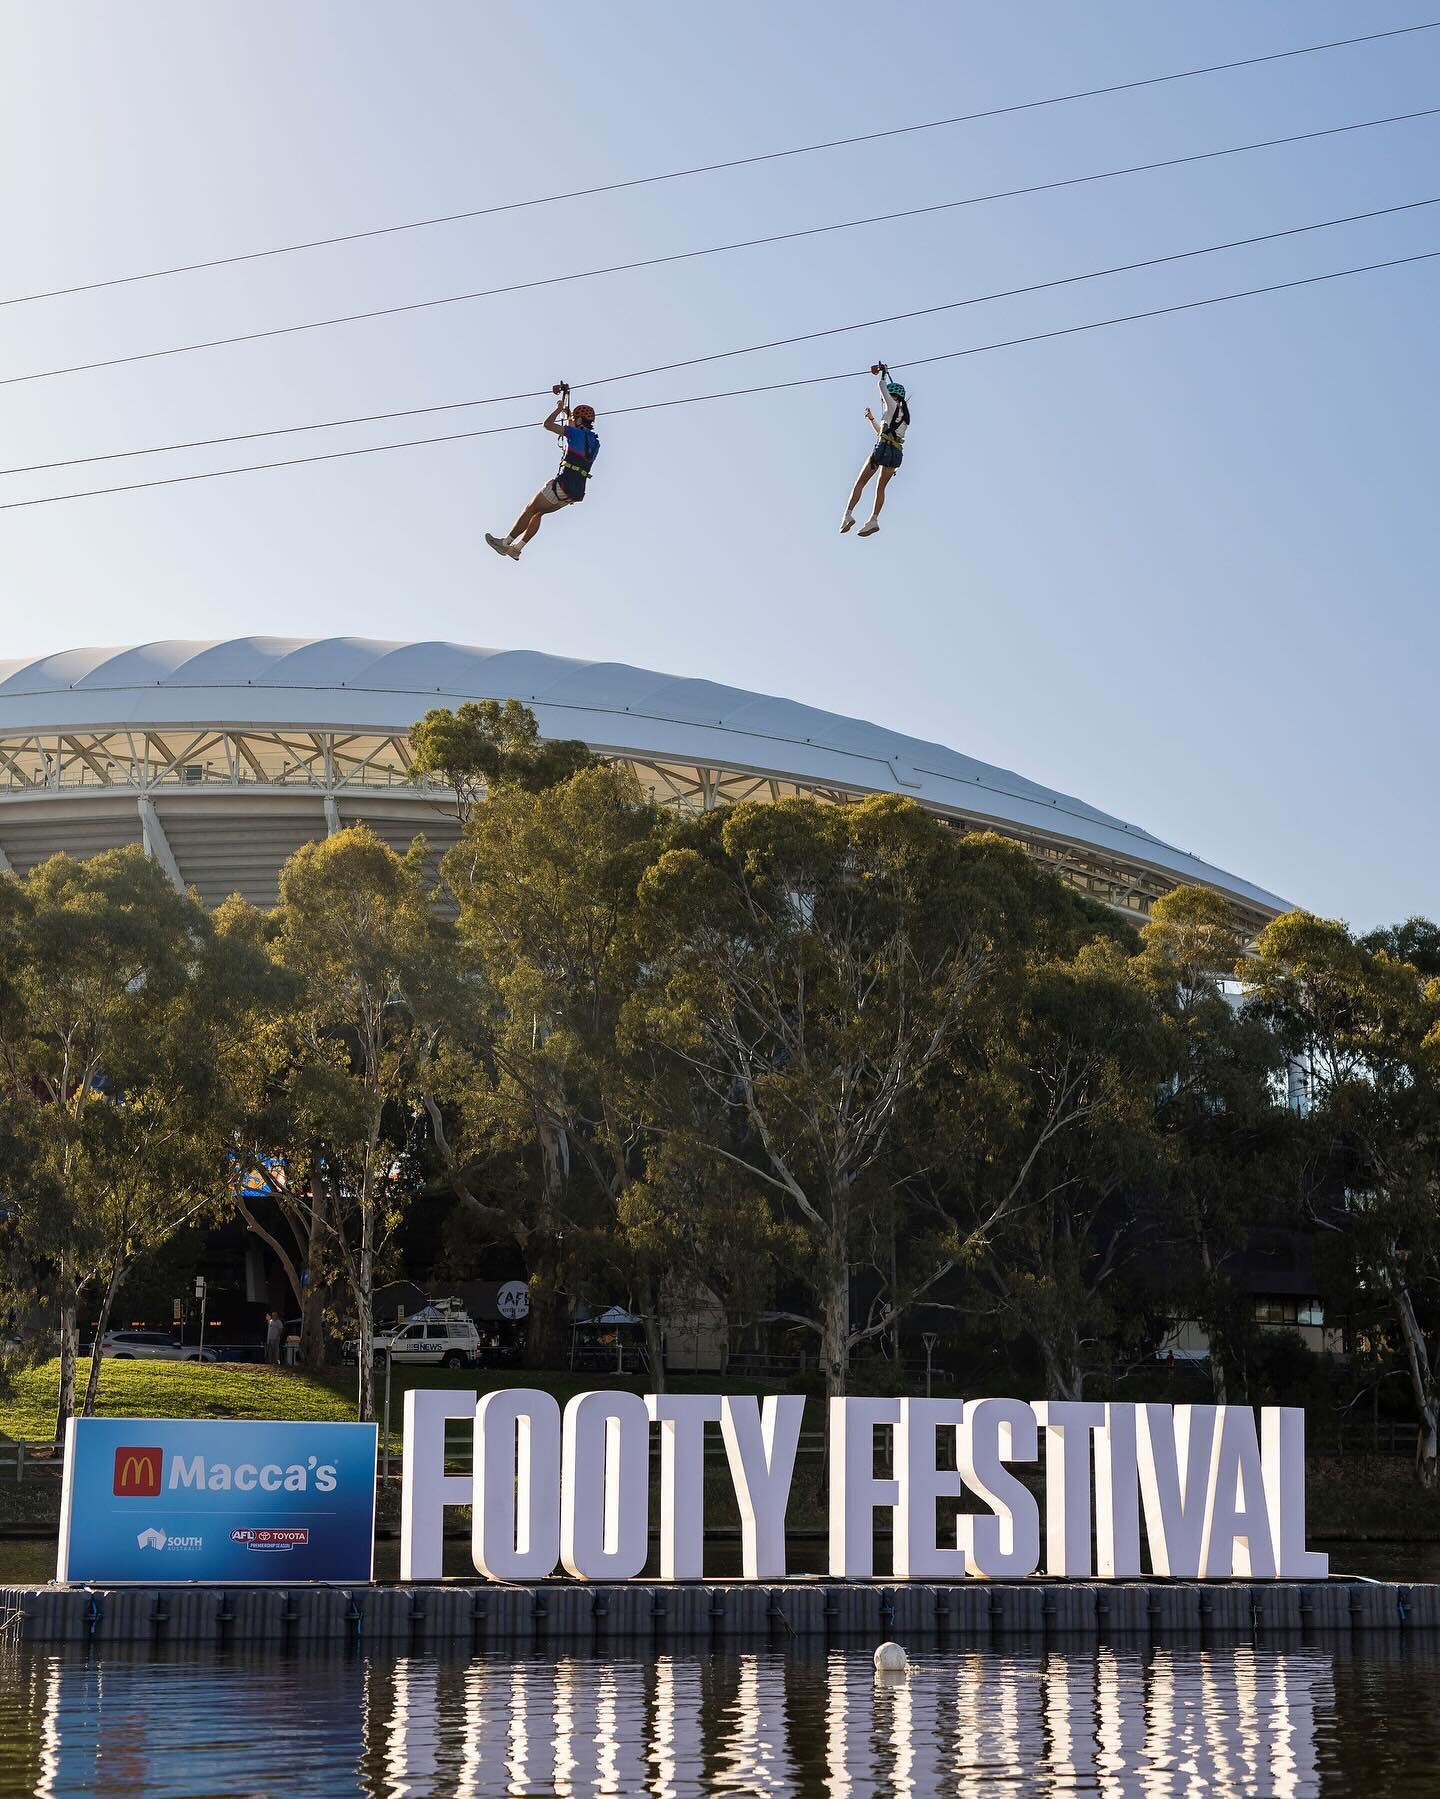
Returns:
(1326, 1719)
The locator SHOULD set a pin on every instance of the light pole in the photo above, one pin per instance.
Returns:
(929, 1339)
(200, 1295)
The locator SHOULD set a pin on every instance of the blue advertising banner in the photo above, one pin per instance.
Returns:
(152, 1500)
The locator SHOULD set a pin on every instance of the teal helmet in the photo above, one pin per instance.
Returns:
(895, 389)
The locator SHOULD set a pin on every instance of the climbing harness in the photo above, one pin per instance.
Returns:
(582, 446)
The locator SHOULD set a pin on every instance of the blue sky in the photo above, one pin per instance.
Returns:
(1184, 569)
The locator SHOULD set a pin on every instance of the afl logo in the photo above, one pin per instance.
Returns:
(137, 1472)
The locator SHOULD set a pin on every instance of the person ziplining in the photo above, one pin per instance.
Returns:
(888, 454)
(582, 446)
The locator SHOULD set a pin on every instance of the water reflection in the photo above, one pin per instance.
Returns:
(1315, 1720)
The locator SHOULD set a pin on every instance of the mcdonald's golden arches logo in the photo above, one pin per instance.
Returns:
(137, 1472)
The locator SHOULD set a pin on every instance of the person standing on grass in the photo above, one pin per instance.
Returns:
(274, 1336)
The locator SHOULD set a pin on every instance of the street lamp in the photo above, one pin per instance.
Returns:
(200, 1295)
(929, 1339)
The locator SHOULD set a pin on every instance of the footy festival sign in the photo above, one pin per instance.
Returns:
(156, 1500)
(1184, 1492)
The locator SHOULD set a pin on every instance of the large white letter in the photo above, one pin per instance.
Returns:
(1237, 1538)
(605, 1486)
(1282, 1455)
(1175, 1445)
(682, 1418)
(515, 1520)
(1005, 1543)
(918, 1554)
(1117, 1496)
(760, 1445)
(855, 1494)
(1067, 1425)
(425, 1488)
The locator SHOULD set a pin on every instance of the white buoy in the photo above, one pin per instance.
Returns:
(890, 1658)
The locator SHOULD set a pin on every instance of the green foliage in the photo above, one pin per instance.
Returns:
(113, 1022)
(835, 1065)
(331, 1078)
(486, 744)
(812, 969)
(1366, 1026)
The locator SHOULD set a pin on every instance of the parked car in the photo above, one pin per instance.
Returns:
(151, 1346)
(451, 1341)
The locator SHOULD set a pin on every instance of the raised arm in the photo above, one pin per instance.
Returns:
(553, 422)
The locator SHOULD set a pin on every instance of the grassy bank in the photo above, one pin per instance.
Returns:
(176, 1390)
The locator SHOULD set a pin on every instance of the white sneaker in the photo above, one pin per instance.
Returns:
(847, 523)
(500, 545)
(513, 551)
(870, 527)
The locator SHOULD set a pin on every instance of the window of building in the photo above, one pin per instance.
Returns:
(1289, 1311)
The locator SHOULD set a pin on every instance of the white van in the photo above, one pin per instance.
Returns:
(442, 1339)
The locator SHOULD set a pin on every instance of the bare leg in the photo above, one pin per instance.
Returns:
(880, 487)
(861, 482)
(527, 523)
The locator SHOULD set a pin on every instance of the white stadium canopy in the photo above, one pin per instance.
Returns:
(223, 757)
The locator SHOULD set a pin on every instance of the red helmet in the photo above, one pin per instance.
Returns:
(583, 414)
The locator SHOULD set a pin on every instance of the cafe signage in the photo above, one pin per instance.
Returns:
(1184, 1492)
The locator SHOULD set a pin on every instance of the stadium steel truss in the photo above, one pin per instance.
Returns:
(222, 758)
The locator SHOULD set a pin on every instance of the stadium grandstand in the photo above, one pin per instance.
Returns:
(222, 758)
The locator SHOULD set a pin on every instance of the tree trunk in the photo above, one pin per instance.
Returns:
(102, 1324)
(835, 1315)
(1064, 1376)
(1219, 1380)
(65, 1397)
(654, 1336)
(1422, 1390)
(544, 1322)
(312, 1324)
(545, 1345)
(312, 1293)
(364, 1307)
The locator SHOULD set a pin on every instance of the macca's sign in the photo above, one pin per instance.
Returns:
(1207, 1493)
(139, 1473)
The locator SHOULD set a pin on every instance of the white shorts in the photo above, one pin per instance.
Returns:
(550, 498)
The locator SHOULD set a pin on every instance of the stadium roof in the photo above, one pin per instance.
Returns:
(360, 684)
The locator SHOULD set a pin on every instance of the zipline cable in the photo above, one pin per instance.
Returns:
(732, 393)
(739, 162)
(774, 343)
(649, 262)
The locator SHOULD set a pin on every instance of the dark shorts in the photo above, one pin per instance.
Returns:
(886, 456)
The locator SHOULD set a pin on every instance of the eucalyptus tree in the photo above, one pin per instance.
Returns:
(1231, 1147)
(546, 882)
(109, 1034)
(489, 743)
(369, 960)
(1047, 1148)
(811, 967)
(1364, 1024)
